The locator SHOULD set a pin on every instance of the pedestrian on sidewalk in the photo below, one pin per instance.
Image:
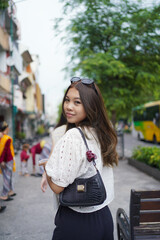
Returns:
(2, 208)
(35, 150)
(44, 155)
(83, 107)
(24, 160)
(6, 162)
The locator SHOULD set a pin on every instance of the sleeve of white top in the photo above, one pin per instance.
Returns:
(57, 133)
(66, 159)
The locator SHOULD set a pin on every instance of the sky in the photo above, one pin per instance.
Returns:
(36, 18)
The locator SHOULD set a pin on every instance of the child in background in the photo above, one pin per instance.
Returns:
(24, 159)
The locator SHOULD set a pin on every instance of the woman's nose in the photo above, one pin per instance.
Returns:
(70, 106)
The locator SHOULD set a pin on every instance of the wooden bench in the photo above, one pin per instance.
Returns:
(144, 220)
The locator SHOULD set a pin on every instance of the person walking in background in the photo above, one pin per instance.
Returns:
(43, 155)
(2, 208)
(83, 107)
(24, 160)
(6, 162)
(36, 149)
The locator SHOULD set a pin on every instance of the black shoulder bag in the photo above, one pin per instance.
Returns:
(84, 191)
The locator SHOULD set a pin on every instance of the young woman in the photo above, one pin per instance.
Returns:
(83, 107)
(6, 162)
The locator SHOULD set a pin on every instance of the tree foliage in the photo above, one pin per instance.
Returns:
(4, 4)
(116, 44)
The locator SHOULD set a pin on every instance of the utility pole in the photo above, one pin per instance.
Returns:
(13, 108)
(11, 74)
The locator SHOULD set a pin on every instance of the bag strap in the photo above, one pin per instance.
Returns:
(84, 139)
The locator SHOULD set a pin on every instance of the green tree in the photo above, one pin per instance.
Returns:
(117, 44)
(59, 112)
(59, 108)
(3, 4)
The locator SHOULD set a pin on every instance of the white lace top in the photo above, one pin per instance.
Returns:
(57, 133)
(68, 161)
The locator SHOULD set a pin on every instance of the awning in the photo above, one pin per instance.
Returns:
(27, 57)
(24, 81)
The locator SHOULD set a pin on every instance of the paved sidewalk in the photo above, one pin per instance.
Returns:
(30, 215)
(127, 178)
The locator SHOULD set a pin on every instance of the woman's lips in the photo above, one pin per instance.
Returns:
(69, 115)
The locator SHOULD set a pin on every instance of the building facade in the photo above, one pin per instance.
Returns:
(21, 99)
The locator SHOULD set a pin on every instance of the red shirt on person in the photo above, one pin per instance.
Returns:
(24, 156)
(6, 154)
(36, 149)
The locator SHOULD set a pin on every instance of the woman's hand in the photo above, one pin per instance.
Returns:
(3, 164)
(44, 182)
(43, 162)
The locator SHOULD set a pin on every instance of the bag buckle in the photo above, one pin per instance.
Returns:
(81, 188)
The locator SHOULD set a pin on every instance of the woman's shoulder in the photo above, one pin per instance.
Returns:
(7, 137)
(60, 129)
(73, 132)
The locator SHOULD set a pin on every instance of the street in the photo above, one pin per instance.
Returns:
(30, 215)
(130, 143)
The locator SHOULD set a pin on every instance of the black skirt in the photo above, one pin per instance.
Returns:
(72, 225)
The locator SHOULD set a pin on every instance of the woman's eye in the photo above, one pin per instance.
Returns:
(77, 102)
(66, 100)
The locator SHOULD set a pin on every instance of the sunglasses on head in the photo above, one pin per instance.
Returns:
(85, 81)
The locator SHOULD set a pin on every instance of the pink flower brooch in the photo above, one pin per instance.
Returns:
(90, 156)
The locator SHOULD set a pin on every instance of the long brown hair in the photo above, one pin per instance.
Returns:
(97, 118)
(62, 121)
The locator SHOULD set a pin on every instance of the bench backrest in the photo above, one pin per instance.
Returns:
(145, 214)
